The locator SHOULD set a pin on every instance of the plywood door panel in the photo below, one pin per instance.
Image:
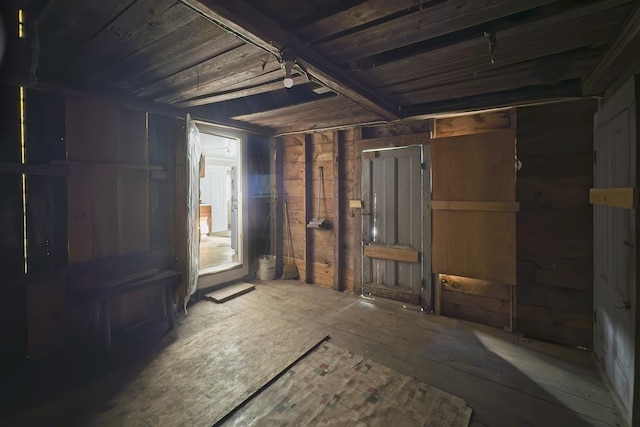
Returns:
(480, 245)
(478, 168)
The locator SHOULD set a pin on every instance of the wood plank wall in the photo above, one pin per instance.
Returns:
(553, 229)
(555, 222)
(113, 204)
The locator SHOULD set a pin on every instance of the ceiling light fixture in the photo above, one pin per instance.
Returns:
(288, 61)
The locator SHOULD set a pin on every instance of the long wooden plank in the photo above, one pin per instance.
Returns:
(626, 198)
(243, 19)
(471, 123)
(475, 206)
(391, 253)
(429, 22)
(541, 71)
(230, 292)
(355, 16)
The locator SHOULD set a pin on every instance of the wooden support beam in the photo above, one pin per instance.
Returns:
(614, 64)
(242, 19)
(626, 198)
(475, 206)
(338, 177)
(308, 208)
(391, 253)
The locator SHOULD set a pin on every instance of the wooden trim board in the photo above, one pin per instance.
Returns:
(475, 206)
(391, 253)
(626, 197)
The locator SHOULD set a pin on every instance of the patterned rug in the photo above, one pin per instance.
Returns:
(331, 386)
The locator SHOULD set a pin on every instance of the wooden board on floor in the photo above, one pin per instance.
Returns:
(229, 292)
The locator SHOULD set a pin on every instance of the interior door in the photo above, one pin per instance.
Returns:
(614, 246)
(392, 223)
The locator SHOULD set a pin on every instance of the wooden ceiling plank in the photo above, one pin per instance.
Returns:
(361, 14)
(243, 19)
(288, 110)
(313, 115)
(244, 71)
(540, 38)
(615, 61)
(548, 71)
(82, 19)
(137, 27)
(585, 55)
(240, 93)
(156, 69)
(193, 33)
(430, 22)
(217, 67)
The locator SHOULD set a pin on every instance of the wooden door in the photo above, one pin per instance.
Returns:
(614, 246)
(392, 224)
(473, 207)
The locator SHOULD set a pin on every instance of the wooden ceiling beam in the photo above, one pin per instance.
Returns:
(510, 98)
(617, 60)
(241, 18)
(239, 93)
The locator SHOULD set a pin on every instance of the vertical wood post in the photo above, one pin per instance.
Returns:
(308, 207)
(338, 177)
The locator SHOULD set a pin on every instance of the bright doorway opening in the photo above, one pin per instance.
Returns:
(220, 217)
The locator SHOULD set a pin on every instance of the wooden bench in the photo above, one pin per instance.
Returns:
(98, 285)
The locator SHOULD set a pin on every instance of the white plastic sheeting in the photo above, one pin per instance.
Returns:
(193, 204)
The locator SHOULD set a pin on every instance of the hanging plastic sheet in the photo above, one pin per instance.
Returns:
(193, 203)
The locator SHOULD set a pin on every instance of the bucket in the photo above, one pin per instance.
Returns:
(267, 267)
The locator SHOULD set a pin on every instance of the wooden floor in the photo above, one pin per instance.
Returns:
(507, 380)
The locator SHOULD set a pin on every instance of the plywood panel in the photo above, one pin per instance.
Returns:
(104, 211)
(468, 244)
(477, 167)
(472, 124)
(133, 211)
(80, 211)
(132, 143)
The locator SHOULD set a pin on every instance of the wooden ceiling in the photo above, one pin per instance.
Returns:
(357, 61)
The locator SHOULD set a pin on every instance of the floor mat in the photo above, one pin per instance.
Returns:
(198, 382)
(331, 386)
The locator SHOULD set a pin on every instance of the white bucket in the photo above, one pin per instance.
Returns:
(267, 267)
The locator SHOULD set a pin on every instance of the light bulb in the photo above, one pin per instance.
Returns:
(288, 82)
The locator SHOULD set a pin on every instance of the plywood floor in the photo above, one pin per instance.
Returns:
(506, 380)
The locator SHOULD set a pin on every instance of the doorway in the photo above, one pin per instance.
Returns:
(396, 225)
(218, 209)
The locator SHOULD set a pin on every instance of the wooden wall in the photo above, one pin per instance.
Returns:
(313, 249)
(555, 223)
(553, 227)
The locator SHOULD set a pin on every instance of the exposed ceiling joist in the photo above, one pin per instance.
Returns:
(616, 60)
(242, 19)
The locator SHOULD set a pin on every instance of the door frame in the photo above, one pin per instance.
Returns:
(424, 140)
(209, 280)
